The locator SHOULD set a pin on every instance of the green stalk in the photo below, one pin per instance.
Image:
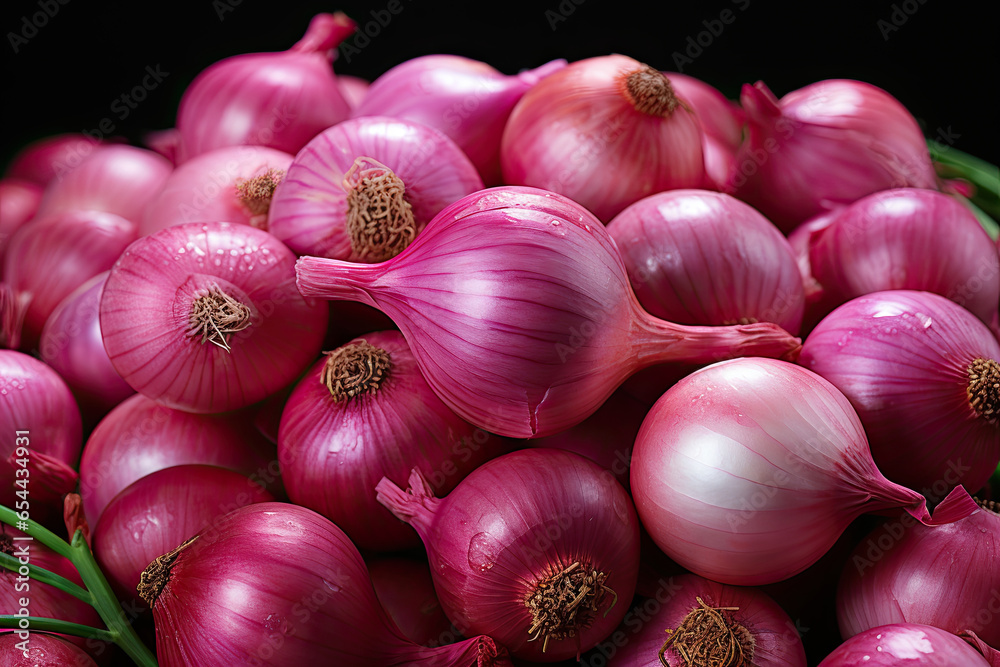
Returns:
(48, 577)
(953, 163)
(35, 623)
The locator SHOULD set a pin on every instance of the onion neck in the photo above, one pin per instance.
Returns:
(215, 316)
(354, 370)
(567, 602)
(983, 389)
(710, 636)
(380, 220)
(336, 279)
(256, 194)
(991, 506)
(650, 92)
(156, 576)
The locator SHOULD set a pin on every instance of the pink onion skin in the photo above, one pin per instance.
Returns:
(18, 202)
(947, 575)
(146, 306)
(469, 292)
(578, 132)
(699, 257)
(44, 650)
(34, 399)
(161, 510)
(513, 522)
(824, 146)
(904, 644)
(280, 586)
(757, 457)
(406, 591)
(353, 89)
(907, 239)
(50, 257)
(309, 209)
(280, 100)
(468, 100)
(140, 436)
(71, 343)
(113, 179)
(50, 158)
(333, 453)
(775, 640)
(902, 358)
(204, 189)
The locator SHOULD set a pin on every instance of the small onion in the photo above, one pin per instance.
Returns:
(760, 458)
(41, 650)
(206, 317)
(905, 645)
(538, 549)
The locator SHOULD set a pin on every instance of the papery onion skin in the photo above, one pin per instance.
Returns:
(278, 585)
(140, 436)
(771, 640)
(514, 522)
(903, 358)
(206, 188)
(333, 450)
(946, 575)
(147, 306)
(161, 510)
(41, 418)
(43, 650)
(50, 158)
(469, 293)
(72, 344)
(113, 179)
(280, 100)
(907, 239)
(310, 208)
(824, 146)
(468, 100)
(18, 203)
(700, 257)
(757, 457)
(406, 591)
(904, 644)
(578, 132)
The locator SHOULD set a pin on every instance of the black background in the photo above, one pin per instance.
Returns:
(941, 62)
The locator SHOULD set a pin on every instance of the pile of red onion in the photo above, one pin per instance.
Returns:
(585, 364)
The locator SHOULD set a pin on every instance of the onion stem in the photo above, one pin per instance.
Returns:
(96, 587)
(985, 176)
(50, 578)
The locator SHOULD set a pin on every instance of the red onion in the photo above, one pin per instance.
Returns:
(907, 239)
(406, 591)
(468, 100)
(50, 257)
(72, 344)
(233, 184)
(824, 146)
(905, 645)
(362, 190)
(759, 458)
(161, 510)
(40, 650)
(279, 585)
(946, 575)
(706, 623)
(49, 159)
(43, 435)
(205, 317)
(362, 413)
(18, 203)
(517, 307)
(280, 100)
(722, 124)
(538, 549)
(699, 257)
(353, 89)
(113, 179)
(605, 132)
(919, 370)
(140, 436)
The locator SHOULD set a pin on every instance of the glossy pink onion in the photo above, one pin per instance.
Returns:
(280, 100)
(905, 645)
(518, 310)
(519, 540)
(231, 184)
(43, 650)
(468, 100)
(759, 458)
(18, 203)
(50, 158)
(824, 146)
(605, 132)
(363, 189)
(206, 317)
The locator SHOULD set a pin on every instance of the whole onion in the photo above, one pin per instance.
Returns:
(605, 132)
(206, 317)
(43, 650)
(538, 549)
(903, 645)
